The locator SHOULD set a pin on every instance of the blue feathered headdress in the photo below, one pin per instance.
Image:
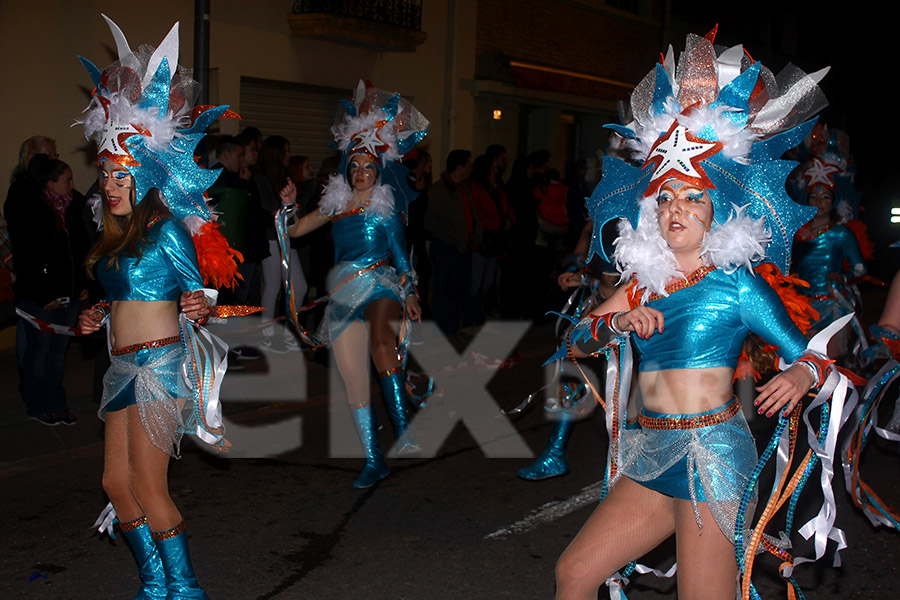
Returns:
(383, 126)
(720, 121)
(142, 117)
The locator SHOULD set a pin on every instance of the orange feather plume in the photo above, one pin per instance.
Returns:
(216, 259)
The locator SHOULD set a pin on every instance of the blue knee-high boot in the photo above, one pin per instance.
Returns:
(393, 386)
(552, 461)
(375, 468)
(181, 584)
(153, 576)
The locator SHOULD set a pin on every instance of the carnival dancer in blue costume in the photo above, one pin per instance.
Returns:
(590, 287)
(373, 282)
(823, 245)
(158, 386)
(708, 203)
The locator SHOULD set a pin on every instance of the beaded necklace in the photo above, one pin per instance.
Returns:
(804, 235)
(695, 277)
(353, 211)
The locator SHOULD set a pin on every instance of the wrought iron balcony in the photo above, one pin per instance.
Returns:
(387, 25)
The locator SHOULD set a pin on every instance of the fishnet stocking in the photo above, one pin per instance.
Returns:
(135, 472)
(630, 522)
(707, 568)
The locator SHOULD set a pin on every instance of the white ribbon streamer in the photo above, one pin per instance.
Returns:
(836, 386)
(106, 519)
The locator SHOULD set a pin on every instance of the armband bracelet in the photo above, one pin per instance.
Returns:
(200, 321)
(408, 283)
(812, 371)
(817, 365)
(104, 309)
(611, 323)
(290, 214)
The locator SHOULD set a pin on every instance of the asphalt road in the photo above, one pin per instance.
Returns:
(290, 526)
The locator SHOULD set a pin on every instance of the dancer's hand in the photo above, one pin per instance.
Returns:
(194, 305)
(643, 321)
(785, 389)
(90, 320)
(413, 308)
(569, 280)
(288, 193)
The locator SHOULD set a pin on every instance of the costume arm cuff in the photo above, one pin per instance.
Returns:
(592, 334)
(408, 281)
(817, 365)
(212, 298)
(104, 309)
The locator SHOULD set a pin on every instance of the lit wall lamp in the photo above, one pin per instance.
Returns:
(895, 215)
(498, 114)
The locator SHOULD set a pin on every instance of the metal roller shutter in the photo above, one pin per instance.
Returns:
(301, 113)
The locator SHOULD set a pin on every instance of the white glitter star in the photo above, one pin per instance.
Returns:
(678, 154)
(112, 133)
(370, 142)
(820, 172)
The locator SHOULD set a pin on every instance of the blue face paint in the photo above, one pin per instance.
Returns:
(685, 193)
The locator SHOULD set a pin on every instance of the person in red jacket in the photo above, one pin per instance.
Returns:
(497, 219)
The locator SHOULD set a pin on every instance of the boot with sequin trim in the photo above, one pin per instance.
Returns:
(375, 468)
(150, 567)
(393, 386)
(552, 461)
(181, 583)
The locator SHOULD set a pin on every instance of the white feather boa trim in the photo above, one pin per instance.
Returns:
(644, 254)
(737, 141)
(739, 241)
(121, 111)
(345, 131)
(337, 195)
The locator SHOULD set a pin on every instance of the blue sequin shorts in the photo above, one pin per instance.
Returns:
(703, 457)
(149, 369)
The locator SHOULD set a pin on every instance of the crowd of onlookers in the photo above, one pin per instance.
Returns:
(480, 243)
(486, 241)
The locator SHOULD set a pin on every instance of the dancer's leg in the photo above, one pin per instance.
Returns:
(352, 359)
(350, 354)
(630, 522)
(133, 523)
(116, 471)
(707, 568)
(382, 317)
(148, 475)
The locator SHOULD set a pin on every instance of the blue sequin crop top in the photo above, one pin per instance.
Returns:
(167, 267)
(705, 324)
(363, 238)
(819, 255)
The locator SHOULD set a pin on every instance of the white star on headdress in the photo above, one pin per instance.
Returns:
(113, 136)
(110, 137)
(368, 141)
(678, 154)
(820, 172)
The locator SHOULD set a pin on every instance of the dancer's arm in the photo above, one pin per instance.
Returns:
(306, 224)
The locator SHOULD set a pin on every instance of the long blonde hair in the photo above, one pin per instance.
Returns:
(125, 235)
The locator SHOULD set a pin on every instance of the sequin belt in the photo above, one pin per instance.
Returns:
(704, 419)
(359, 273)
(145, 345)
